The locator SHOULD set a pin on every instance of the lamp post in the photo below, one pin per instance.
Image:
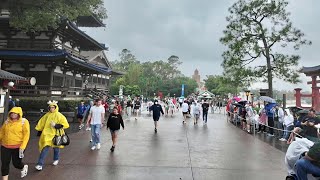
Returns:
(247, 94)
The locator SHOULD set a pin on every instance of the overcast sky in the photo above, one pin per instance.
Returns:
(157, 29)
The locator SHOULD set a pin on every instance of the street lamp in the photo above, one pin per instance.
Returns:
(247, 94)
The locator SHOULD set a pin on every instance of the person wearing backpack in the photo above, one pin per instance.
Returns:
(14, 137)
(48, 127)
(205, 109)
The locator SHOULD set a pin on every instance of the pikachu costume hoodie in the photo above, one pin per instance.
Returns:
(15, 133)
(48, 132)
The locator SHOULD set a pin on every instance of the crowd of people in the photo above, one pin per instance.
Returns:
(286, 125)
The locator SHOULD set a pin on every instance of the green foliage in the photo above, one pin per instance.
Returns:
(258, 33)
(220, 85)
(150, 77)
(37, 104)
(41, 14)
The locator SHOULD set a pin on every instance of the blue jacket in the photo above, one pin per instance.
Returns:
(268, 108)
(81, 109)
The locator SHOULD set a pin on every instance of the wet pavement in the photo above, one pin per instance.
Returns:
(218, 150)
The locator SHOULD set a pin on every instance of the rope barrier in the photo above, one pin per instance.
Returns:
(260, 123)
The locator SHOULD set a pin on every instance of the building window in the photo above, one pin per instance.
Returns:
(57, 81)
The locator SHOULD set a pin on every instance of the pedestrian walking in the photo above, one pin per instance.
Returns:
(156, 109)
(185, 109)
(48, 127)
(129, 108)
(14, 137)
(95, 118)
(11, 103)
(80, 113)
(137, 105)
(205, 109)
(113, 124)
(195, 109)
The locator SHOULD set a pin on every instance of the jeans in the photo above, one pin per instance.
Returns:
(279, 125)
(286, 134)
(95, 133)
(305, 167)
(44, 153)
(205, 116)
(271, 125)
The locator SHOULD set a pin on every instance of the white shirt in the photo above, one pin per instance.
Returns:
(96, 114)
(288, 120)
(185, 107)
(281, 115)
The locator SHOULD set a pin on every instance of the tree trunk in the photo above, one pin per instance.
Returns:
(270, 78)
(269, 68)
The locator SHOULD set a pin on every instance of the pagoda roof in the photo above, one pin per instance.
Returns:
(310, 71)
(86, 43)
(10, 76)
(56, 55)
(89, 21)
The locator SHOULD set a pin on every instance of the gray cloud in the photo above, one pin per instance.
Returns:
(154, 30)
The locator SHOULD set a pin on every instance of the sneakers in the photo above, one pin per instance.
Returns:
(55, 162)
(81, 126)
(112, 149)
(259, 132)
(24, 171)
(88, 129)
(98, 146)
(155, 130)
(282, 139)
(93, 148)
(38, 167)
(90, 140)
(271, 135)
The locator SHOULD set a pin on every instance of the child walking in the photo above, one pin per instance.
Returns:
(114, 122)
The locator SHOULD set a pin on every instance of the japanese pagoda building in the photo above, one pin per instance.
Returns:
(66, 62)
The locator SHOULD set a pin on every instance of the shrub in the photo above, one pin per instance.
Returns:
(37, 104)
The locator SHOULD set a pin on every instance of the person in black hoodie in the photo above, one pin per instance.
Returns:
(114, 122)
(156, 109)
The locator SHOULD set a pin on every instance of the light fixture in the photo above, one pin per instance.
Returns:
(10, 84)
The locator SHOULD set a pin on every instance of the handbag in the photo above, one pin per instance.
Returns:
(61, 138)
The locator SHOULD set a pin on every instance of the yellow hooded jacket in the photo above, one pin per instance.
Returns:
(48, 132)
(15, 133)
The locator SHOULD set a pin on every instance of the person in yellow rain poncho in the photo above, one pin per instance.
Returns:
(48, 126)
(14, 137)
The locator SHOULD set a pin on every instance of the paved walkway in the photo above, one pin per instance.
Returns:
(218, 150)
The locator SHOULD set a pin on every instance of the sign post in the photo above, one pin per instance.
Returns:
(182, 90)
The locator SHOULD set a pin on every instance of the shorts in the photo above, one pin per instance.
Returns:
(114, 132)
(136, 107)
(156, 119)
(196, 116)
(184, 113)
(79, 116)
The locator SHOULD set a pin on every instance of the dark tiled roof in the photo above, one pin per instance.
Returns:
(10, 76)
(311, 70)
(58, 54)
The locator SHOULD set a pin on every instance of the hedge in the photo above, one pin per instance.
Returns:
(37, 104)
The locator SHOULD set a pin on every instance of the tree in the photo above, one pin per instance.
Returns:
(257, 30)
(36, 15)
(220, 85)
(126, 59)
